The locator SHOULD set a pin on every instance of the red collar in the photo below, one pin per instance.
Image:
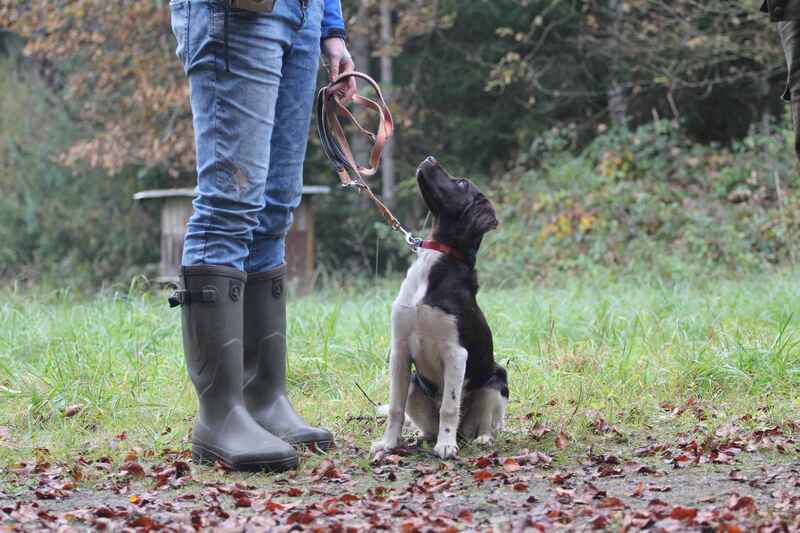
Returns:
(445, 249)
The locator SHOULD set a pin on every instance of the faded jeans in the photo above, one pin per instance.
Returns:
(251, 125)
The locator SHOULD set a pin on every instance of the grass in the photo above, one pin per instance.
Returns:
(577, 350)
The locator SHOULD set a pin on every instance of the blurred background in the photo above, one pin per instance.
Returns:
(612, 135)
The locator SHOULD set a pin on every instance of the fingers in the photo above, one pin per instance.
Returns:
(339, 62)
(333, 72)
(349, 89)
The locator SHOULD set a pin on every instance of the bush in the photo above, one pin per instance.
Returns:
(648, 199)
(71, 227)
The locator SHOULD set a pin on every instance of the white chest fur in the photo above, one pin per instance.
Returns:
(432, 334)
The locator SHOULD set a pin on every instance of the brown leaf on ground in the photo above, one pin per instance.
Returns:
(611, 502)
(562, 440)
(72, 410)
(511, 465)
(683, 513)
(482, 475)
(326, 470)
(737, 503)
(635, 467)
(538, 431)
(132, 469)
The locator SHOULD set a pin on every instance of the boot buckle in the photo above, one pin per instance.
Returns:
(184, 297)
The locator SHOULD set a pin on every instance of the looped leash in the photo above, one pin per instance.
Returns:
(337, 149)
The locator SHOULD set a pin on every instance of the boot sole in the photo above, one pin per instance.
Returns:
(205, 456)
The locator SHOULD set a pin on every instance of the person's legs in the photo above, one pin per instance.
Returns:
(288, 144)
(234, 111)
(265, 361)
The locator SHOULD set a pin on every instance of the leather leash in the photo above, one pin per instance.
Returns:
(337, 148)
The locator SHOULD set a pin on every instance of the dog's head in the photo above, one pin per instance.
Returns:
(462, 214)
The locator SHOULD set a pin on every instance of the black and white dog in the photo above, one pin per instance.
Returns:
(457, 388)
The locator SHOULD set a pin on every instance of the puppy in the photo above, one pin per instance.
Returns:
(457, 388)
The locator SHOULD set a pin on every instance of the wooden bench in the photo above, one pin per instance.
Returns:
(176, 208)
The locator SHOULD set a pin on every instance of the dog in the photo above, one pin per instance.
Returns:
(457, 390)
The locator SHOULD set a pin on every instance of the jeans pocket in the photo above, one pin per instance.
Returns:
(179, 22)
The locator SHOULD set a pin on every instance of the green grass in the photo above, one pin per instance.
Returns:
(614, 348)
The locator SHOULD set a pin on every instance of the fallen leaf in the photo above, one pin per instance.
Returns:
(273, 506)
(242, 501)
(611, 502)
(511, 465)
(599, 522)
(72, 410)
(737, 503)
(132, 469)
(326, 470)
(637, 492)
(562, 440)
(482, 475)
(300, 517)
(683, 513)
(538, 431)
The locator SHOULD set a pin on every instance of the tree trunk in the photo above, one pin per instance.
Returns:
(617, 101)
(359, 47)
(387, 164)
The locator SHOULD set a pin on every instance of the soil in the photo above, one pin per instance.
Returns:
(647, 488)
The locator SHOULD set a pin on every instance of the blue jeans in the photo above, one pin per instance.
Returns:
(251, 125)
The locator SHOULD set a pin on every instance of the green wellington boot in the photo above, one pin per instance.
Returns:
(212, 302)
(265, 362)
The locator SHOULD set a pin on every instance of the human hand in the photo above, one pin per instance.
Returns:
(339, 61)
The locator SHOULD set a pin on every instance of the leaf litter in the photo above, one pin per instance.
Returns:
(698, 482)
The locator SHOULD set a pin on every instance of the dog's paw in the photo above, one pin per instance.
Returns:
(485, 441)
(446, 450)
(381, 446)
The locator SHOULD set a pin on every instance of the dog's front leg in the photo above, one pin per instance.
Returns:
(400, 372)
(455, 364)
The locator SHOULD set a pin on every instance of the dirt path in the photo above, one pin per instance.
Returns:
(735, 483)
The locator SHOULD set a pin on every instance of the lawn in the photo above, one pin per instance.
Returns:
(618, 349)
(595, 363)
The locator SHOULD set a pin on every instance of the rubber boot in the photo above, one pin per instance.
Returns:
(212, 308)
(265, 362)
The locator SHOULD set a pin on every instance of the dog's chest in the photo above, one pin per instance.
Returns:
(432, 334)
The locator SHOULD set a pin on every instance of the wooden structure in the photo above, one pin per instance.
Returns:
(176, 208)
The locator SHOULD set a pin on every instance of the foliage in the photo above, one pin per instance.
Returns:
(119, 76)
(648, 198)
(482, 86)
(56, 222)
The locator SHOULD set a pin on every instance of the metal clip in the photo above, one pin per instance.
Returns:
(412, 242)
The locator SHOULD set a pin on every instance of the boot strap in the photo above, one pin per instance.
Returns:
(184, 297)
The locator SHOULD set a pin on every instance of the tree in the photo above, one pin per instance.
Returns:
(122, 79)
(387, 79)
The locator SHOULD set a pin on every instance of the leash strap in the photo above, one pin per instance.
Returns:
(337, 149)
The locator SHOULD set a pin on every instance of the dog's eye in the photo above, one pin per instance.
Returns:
(462, 183)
